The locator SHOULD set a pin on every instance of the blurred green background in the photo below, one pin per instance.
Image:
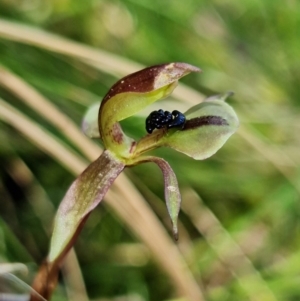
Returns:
(239, 231)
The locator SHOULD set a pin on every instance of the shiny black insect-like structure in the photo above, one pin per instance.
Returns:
(159, 119)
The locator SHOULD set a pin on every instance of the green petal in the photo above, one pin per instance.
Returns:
(209, 125)
(89, 125)
(130, 95)
(82, 197)
(172, 193)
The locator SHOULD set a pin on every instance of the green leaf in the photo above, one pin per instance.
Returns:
(82, 197)
(130, 95)
(172, 193)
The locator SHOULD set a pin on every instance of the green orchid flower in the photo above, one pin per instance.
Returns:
(207, 127)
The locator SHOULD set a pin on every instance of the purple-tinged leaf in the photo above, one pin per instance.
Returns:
(83, 196)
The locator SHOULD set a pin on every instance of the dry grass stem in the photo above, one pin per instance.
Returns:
(45, 108)
(227, 250)
(96, 58)
(41, 138)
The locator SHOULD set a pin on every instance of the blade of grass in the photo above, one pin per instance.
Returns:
(272, 154)
(41, 138)
(73, 278)
(12, 268)
(102, 60)
(35, 194)
(158, 205)
(143, 229)
(45, 108)
(228, 251)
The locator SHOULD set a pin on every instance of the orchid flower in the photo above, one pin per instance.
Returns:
(207, 127)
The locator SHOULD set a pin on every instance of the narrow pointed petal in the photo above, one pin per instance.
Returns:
(172, 193)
